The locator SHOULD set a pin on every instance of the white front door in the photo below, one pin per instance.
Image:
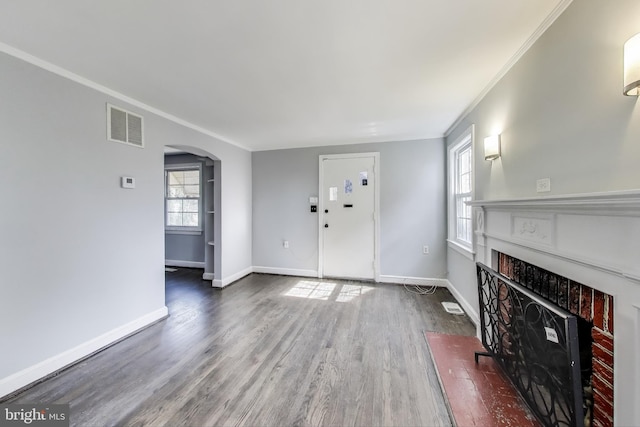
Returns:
(348, 216)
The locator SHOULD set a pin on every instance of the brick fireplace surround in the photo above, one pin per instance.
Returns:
(585, 302)
(589, 247)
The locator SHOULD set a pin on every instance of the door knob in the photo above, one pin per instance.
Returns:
(326, 226)
(326, 211)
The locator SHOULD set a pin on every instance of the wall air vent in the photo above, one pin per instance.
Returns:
(124, 126)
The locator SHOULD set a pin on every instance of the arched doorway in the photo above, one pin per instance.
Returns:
(193, 236)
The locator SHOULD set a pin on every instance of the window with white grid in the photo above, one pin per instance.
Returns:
(463, 194)
(461, 191)
(183, 199)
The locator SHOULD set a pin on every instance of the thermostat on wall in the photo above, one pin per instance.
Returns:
(128, 182)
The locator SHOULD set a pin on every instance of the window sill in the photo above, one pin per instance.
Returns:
(184, 232)
(463, 250)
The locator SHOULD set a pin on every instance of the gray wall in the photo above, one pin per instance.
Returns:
(186, 247)
(561, 114)
(412, 207)
(79, 256)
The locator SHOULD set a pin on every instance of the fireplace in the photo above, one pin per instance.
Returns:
(594, 311)
(579, 252)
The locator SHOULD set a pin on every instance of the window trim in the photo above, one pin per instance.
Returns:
(178, 229)
(466, 139)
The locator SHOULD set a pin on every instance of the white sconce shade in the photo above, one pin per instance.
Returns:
(492, 147)
(632, 66)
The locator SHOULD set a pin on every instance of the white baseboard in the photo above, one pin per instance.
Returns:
(471, 312)
(420, 281)
(185, 264)
(53, 364)
(286, 271)
(230, 279)
(208, 276)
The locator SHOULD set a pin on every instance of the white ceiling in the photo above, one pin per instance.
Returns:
(286, 73)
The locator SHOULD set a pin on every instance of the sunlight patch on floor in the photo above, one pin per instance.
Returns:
(312, 290)
(349, 292)
(326, 291)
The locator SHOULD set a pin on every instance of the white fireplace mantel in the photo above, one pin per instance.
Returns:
(598, 230)
(625, 203)
(591, 238)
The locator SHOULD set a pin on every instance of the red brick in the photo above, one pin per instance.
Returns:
(605, 340)
(603, 388)
(601, 419)
(586, 294)
(598, 309)
(599, 353)
(508, 267)
(501, 264)
(604, 372)
(602, 404)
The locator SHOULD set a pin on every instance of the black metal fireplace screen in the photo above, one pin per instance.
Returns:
(536, 345)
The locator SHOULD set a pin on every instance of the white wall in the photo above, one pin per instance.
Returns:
(412, 207)
(81, 260)
(561, 111)
(561, 114)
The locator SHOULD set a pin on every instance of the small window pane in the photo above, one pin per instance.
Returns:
(174, 206)
(174, 219)
(464, 162)
(176, 191)
(465, 183)
(190, 206)
(176, 178)
(190, 219)
(191, 191)
(192, 177)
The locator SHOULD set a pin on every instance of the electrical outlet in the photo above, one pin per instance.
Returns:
(543, 185)
(285, 244)
(425, 250)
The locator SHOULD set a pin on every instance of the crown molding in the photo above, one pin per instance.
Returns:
(63, 72)
(544, 26)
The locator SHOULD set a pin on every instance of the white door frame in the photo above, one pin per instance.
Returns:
(376, 214)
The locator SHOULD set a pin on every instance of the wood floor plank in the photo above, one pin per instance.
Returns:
(267, 351)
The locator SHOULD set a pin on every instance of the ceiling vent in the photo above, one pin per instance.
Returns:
(124, 126)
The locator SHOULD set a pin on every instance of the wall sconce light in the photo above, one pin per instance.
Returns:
(492, 147)
(632, 66)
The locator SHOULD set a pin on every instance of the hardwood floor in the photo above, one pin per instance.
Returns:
(267, 351)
